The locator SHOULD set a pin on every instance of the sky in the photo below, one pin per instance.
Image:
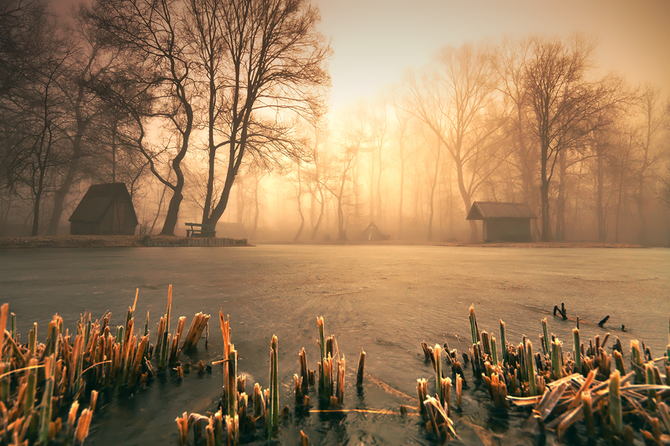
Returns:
(376, 41)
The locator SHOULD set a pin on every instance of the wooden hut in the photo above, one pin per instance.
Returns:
(105, 209)
(373, 234)
(509, 222)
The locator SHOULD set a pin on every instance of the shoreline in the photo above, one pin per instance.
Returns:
(137, 241)
(114, 241)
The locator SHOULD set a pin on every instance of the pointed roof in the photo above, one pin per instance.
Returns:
(97, 201)
(481, 210)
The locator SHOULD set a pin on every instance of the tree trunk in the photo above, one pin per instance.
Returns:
(432, 190)
(315, 229)
(299, 199)
(59, 197)
(64, 189)
(341, 232)
(600, 211)
(401, 194)
(256, 207)
(36, 214)
(560, 202)
(544, 196)
(172, 213)
(380, 215)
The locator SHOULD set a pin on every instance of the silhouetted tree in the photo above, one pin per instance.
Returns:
(273, 66)
(155, 63)
(565, 106)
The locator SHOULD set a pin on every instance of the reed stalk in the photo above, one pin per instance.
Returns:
(231, 387)
(615, 416)
(636, 361)
(304, 372)
(556, 359)
(473, 325)
(30, 388)
(530, 369)
(194, 334)
(165, 341)
(422, 393)
(13, 332)
(651, 393)
(486, 343)
(437, 353)
(494, 351)
(182, 425)
(588, 415)
(83, 426)
(341, 367)
(218, 428)
(361, 369)
(322, 348)
(299, 397)
(274, 387)
(259, 402)
(459, 391)
(546, 339)
(576, 343)
(503, 343)
(3, 325)
(45, 412)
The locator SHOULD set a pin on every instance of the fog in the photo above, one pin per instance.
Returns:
(298, 142)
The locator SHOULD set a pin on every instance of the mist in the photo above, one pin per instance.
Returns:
(277, 156)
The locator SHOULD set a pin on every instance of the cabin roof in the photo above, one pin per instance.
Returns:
(482, 210)
(97, 201)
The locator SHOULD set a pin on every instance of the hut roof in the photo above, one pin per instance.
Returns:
(97, 201)
(481, 210)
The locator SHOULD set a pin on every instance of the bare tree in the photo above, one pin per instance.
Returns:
(274, 67)
(402, 136)
(157, 63)
(565, 106)
(509, 63)
(82, 107)
(649, 153)
(454, 101)
(34, 56)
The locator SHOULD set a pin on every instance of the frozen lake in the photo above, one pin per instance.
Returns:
(384, 299)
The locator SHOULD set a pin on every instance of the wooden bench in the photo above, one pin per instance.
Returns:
(200, 230)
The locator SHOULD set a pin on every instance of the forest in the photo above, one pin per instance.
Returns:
(218, 112)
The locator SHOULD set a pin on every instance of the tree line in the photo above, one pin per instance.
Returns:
(138, 90)
(531, 120)
(208, 106)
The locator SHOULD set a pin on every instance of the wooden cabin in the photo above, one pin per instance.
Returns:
(507, 222)
(105, 209)
(373, 234)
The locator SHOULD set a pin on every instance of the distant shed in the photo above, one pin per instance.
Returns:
(105, 209)
(508, 222)
(373, 234)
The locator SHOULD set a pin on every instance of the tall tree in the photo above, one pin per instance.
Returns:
(565, 105)
(653, 115)
(273, 67)
(454, 100)
(158, 64)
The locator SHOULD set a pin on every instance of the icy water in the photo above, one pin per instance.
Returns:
(383, 299)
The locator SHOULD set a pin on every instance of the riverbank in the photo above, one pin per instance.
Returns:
(113, 241)
(137, 241)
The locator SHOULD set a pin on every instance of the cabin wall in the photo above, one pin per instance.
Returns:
(507, 229)
(83, 228)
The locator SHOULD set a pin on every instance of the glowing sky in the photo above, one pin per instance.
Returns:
(374, 41)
